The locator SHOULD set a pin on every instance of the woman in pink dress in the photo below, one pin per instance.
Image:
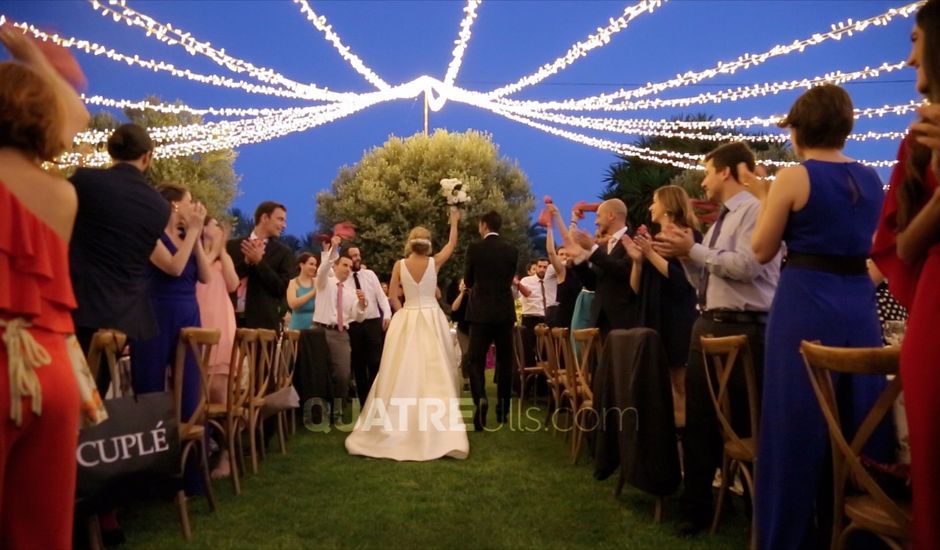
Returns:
(216, 311)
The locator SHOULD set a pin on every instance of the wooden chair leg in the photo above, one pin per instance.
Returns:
(183, 509)
(234, 452)
(725, 482)
(575, 438)
(293, 421)
(95, 541)
(621, 481)
(206, 475)
(281, 439)
(262, 446)
(659, 509)
(252, 444)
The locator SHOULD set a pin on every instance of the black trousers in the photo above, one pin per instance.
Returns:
(481, 336)
(529, 323)
(702, 443)
(365, 341)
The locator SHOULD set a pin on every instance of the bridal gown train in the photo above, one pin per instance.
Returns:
(412, 412)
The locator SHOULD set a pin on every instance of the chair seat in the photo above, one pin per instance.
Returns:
(189, 432)
(866, 512)
(745, 451)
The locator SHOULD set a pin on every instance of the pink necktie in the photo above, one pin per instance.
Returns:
(339, 307)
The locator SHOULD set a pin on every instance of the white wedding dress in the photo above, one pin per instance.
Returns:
(412, 412)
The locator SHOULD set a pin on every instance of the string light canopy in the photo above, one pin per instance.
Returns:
(243, 125)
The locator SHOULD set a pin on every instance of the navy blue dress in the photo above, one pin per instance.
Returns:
(174, 302)
(839, 219)
(667, 305)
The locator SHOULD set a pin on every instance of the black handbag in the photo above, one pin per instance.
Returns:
(138, 444)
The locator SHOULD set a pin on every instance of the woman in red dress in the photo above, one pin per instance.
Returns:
(907, 251)
(39, 395)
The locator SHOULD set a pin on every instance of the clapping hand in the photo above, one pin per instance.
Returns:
(633, 250)
(756, 182)
(644, 243)
(253, 249)
(927, 133)
(673, 242)
(21, 47)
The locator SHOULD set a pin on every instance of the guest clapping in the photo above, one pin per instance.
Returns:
(302, 292)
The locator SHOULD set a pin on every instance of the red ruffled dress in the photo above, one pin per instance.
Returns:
(41, 403)
(917, 287)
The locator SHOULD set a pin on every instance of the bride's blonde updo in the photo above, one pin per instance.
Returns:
(419, 242)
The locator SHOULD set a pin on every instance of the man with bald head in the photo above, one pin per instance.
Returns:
(605, 269)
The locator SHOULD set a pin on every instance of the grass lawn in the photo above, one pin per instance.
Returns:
(516, 490)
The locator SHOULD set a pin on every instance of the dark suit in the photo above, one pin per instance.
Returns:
(267, 283)
(491, 267)
(608, 275)
(120, 217)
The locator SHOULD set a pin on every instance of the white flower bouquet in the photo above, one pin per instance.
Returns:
(452, 190)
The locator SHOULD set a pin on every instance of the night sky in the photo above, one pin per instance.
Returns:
(403, 40)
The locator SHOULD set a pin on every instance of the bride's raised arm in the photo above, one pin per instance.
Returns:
(441, 257)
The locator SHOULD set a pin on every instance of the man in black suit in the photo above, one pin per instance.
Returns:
(119, 222)
(265, 267)
(605, 269)
(491, 267)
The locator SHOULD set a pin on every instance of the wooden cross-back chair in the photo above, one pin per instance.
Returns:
(284, 377)
(525, 373)
(722, 356)
(192, 430)
(262, 381)
(230, 419)
(869, 508)
(588, 342)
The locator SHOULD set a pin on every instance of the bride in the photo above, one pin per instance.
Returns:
(412, 412)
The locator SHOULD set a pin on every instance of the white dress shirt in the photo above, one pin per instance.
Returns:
(328, 291)
(736, 281)
(533, 304)
(376, 300)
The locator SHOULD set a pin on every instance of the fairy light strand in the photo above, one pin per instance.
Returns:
(320, 23)
(162, 66)
(838, 31)
(463, 38)
(600, 38)
(732, 94)
(119, 11)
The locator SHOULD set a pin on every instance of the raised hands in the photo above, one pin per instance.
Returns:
(756, 182)
(673, 242)
(926, 131)
(633, 249)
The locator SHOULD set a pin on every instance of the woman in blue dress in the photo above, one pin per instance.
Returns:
(177, 262)
(301, 293)
(825, 210)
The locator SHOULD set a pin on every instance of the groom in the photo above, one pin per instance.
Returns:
(491, 267)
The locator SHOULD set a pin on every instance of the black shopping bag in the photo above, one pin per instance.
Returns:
(137, 444)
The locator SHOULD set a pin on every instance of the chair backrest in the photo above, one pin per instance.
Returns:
(200, 342)
(588, 342)
(110, 343)
(722, 355)
(566, 359)
(241, 367)
(820, 360)
(545, 351)
(290, 340)
(261, 379)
